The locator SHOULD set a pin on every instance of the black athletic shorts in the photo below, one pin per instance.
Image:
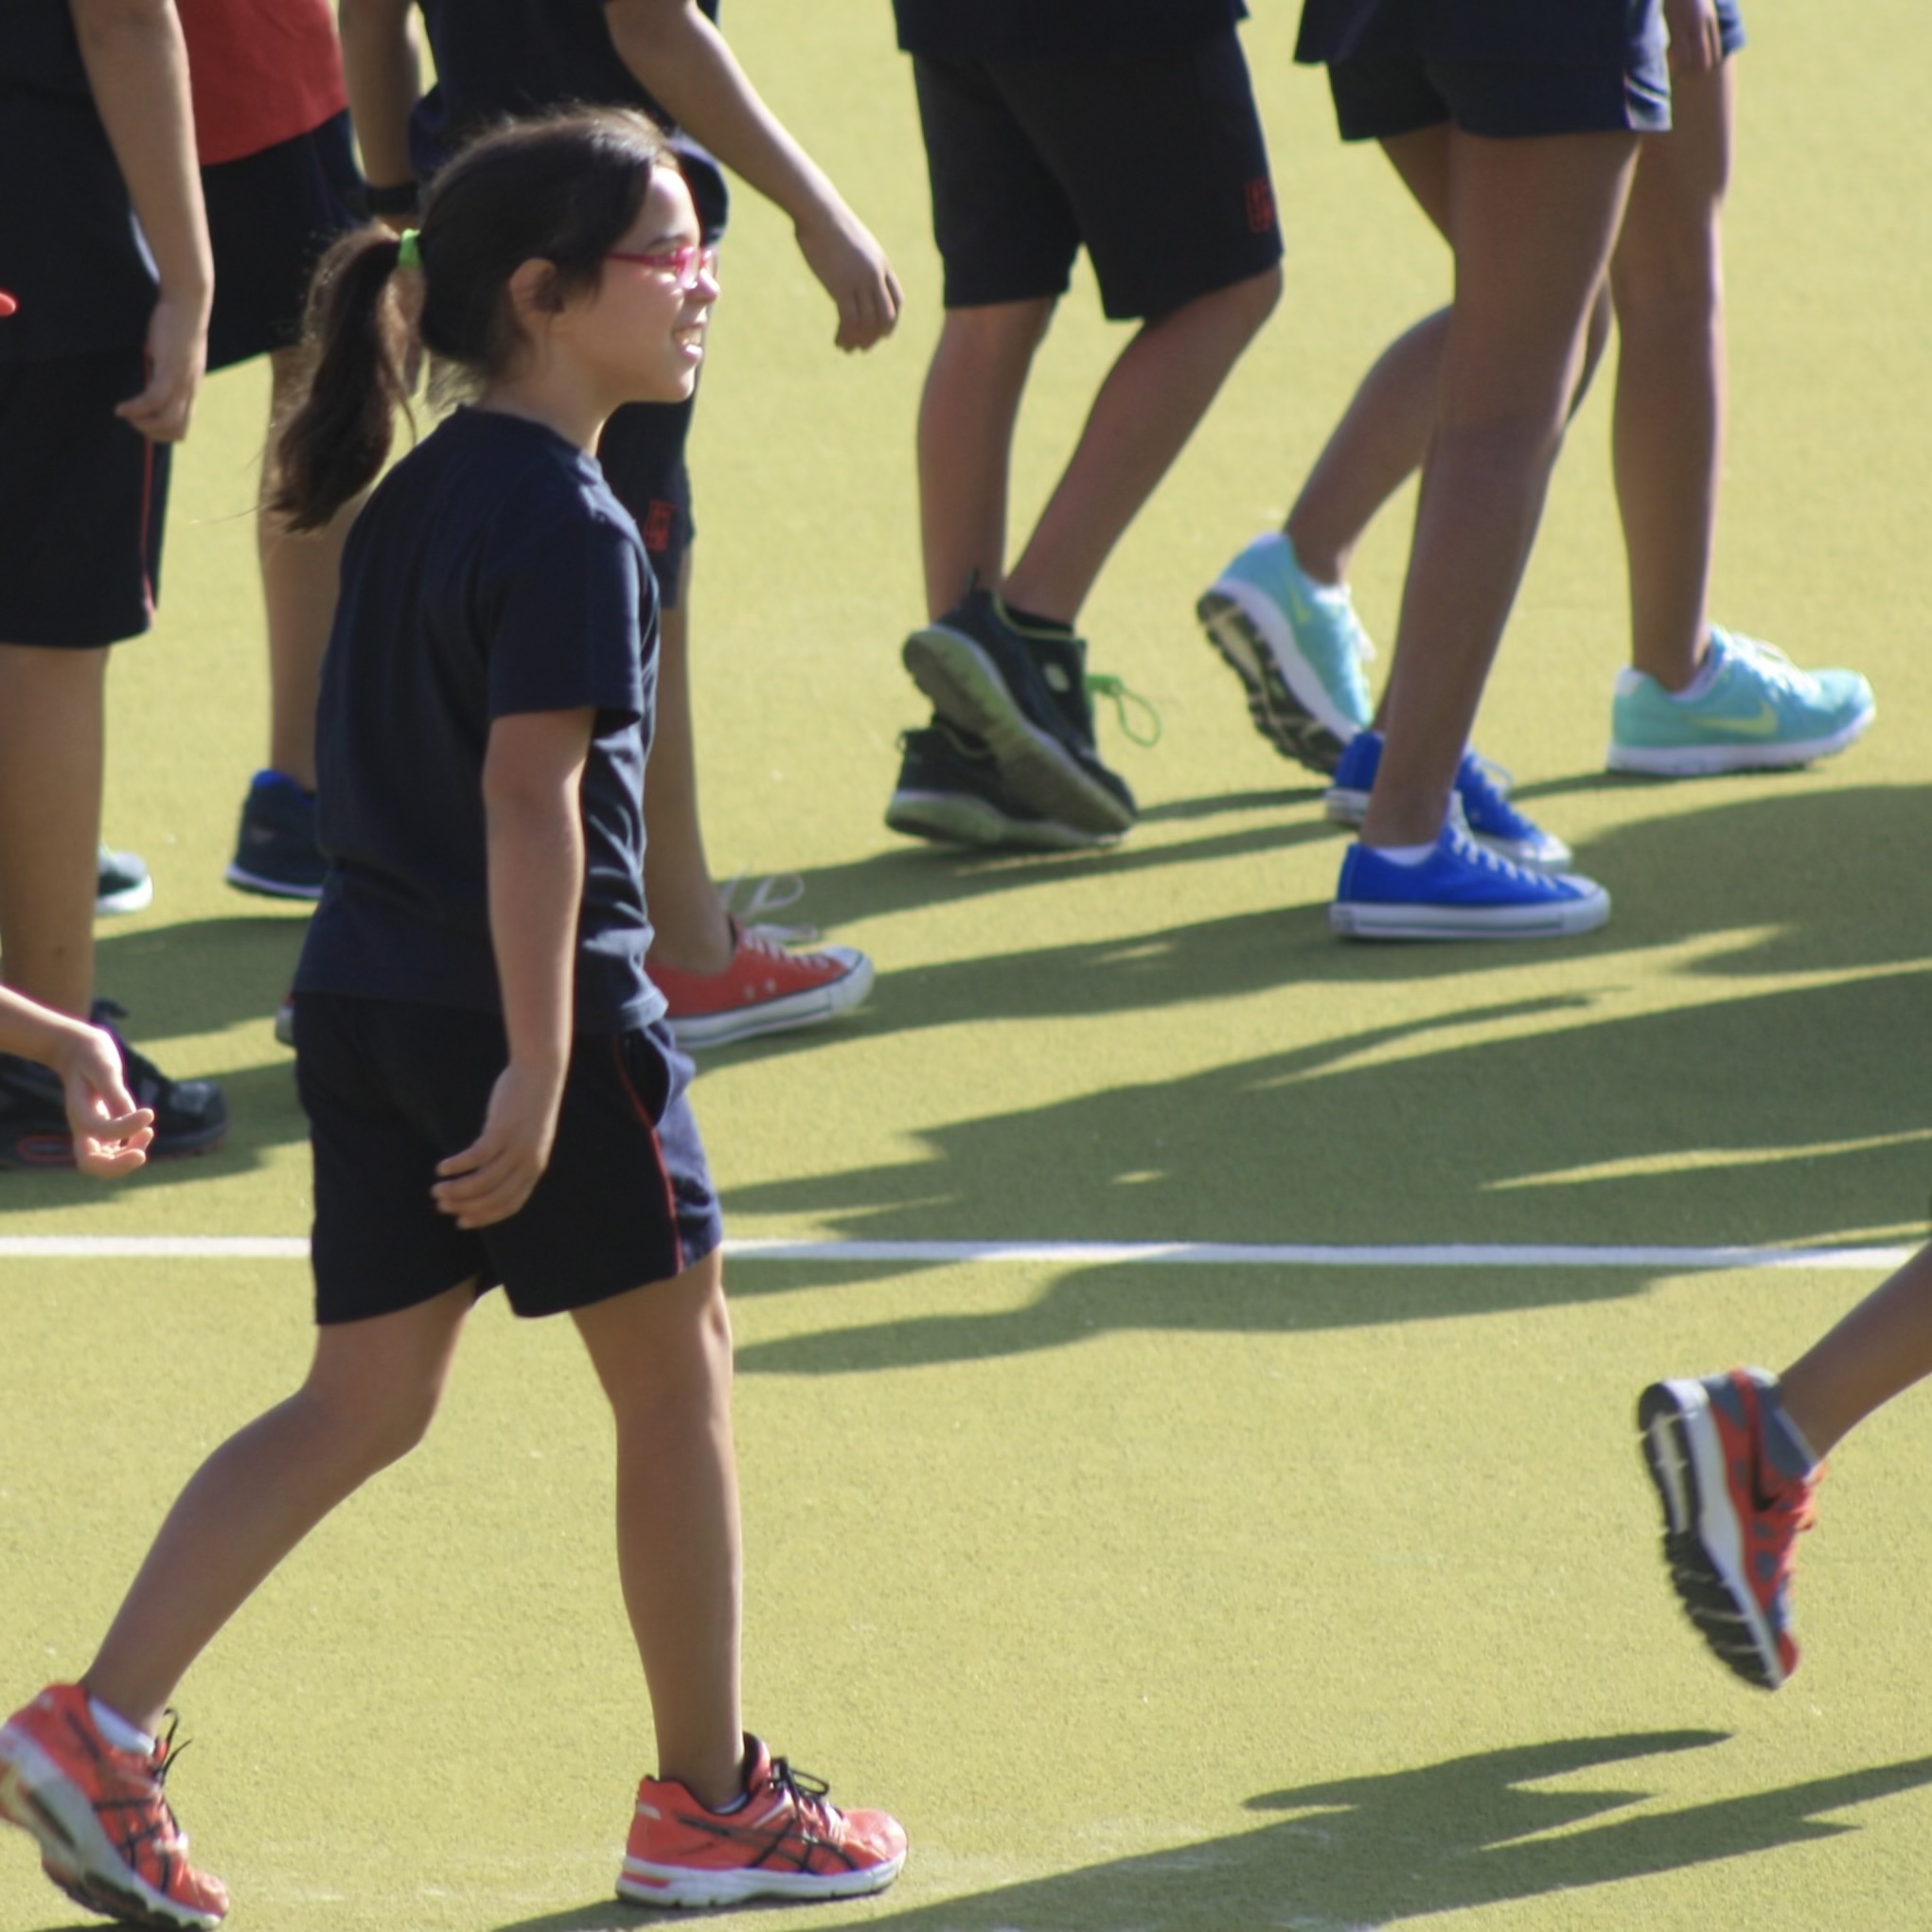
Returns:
(643, 449)
(271, 216)
(1379, 97)
(1158, 166)
(83, 501)
(391, 1087)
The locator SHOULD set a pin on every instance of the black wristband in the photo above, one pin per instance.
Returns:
(402, 199)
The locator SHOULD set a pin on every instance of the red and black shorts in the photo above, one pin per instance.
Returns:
(392, 1086)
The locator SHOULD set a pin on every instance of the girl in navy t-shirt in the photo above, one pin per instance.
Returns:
(492, 1097)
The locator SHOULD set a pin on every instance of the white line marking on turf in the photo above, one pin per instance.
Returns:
(1084, 1253)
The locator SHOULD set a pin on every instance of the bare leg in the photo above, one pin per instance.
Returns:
(1667, 278)
(299, 580)
(1883, 1346)
(1534, 222)
(1154, 395)
(52, 749)
(966, 416)
(663, 1353)
(690, 929)
(370, 1395)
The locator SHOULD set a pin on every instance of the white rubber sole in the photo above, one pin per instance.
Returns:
(805, 1008)
(130, 899)
(243, 880)
(672, 1886)
(1712, 761)
(55, 1813)
(1554, 919)
(1685, 1454)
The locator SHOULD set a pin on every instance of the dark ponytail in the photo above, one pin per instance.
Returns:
(564, 189)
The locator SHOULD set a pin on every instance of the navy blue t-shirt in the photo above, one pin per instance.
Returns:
(1059, 29)
(492, 573)
(69, 248)
(517, 56)
(1545, 33)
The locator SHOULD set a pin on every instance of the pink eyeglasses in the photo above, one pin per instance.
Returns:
(685, 264)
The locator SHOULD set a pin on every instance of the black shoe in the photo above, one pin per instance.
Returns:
(951, 789)
(276, 852)
(122, 884)
(1023, 692)
(191, 1116)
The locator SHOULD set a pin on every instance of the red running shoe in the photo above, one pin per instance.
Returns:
(787, 1842)
(1731, 1516)
(107, 1837)
(765, 989)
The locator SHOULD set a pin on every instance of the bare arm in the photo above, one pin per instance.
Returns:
(381, 62)
(137, 68)
(531, 774)
(109, 1131)
(681, 58)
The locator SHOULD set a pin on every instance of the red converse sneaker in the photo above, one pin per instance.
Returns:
(787, 1842)
(765, 989)
(107, 1837)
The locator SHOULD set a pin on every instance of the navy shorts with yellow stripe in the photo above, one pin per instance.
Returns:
(392, 1086)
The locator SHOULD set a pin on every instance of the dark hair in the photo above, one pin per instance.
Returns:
(563, 189)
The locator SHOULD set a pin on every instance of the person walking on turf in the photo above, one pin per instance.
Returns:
(491, 1095)
(725, 978)
(1736, 1461)
(1696, 699)
(1051, 125)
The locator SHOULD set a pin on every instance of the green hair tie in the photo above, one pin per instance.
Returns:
(408, 253)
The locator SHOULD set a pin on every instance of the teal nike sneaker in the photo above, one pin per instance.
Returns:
(1758, 713)
(1298, 647)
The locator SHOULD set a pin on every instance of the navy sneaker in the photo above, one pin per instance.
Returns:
(1480, 802)
(950, 791)
(1461, 891)
(276, 852)
(122, 884)
(191, 1116)
(1023, 692)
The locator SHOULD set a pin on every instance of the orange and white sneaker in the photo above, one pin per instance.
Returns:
(786, 1842)
(766, 988)
(107, 1837)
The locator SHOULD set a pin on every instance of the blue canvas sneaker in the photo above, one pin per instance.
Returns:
(1298, 647)
(1480, 802)
(1758, 712)
(1024, 693)
(1461, 891)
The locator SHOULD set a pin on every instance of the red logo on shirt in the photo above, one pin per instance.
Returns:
(1260, 205)
(657, 524)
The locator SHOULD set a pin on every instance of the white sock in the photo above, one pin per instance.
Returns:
(119, 1731)
(1701, 681)
(1403, 855)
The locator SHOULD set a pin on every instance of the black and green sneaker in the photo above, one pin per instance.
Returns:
(1023, 692)
(950, 791)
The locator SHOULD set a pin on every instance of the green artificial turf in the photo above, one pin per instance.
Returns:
(1149, 1597)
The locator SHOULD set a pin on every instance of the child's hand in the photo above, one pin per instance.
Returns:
(491, 1178)
(177, 358)
(840, 252)
(1696, 44)
(111, 1133)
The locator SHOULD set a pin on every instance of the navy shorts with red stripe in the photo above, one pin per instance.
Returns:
(82, 502)
(393, 1087)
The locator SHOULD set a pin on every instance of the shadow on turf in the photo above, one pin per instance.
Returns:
(1373, 1851)
(1808, 880)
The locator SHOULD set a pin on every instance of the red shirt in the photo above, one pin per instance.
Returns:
(261, 72)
